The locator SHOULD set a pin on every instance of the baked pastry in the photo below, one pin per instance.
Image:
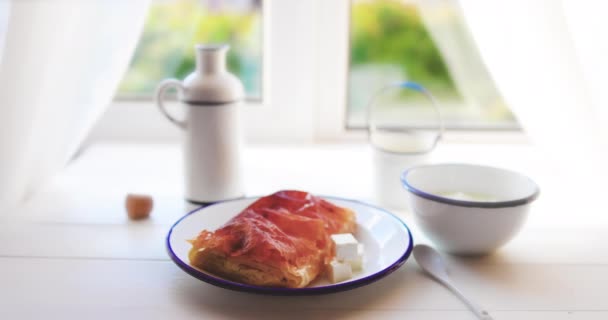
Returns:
(281, 240)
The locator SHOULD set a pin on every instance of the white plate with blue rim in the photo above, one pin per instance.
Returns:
(387, 240)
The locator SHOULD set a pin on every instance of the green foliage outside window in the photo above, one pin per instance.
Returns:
(392, 33)
(166, 48)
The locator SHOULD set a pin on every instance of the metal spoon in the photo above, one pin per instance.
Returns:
(430, 261)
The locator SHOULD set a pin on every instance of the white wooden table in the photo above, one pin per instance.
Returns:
(71, 253)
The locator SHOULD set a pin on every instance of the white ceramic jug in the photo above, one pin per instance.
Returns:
(211, 97)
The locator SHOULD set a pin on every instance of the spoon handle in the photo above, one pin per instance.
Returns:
(479, 311)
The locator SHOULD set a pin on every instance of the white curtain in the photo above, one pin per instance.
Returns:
(549, 59)
(445, 23)
(60, 63)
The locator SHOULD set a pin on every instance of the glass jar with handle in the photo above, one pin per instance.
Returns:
(398, 144)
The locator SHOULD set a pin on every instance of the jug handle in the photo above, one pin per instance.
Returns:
(160, 92)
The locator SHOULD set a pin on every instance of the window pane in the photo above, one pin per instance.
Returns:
(390, 42)
(166, 47)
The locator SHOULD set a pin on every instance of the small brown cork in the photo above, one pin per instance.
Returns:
(138, 206)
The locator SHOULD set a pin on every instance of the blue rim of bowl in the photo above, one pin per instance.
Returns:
(343, 286)
(467, 203)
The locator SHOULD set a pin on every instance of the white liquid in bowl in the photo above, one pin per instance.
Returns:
(468, 196)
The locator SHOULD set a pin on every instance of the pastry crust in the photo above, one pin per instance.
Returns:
(247, 271)
(281, 240)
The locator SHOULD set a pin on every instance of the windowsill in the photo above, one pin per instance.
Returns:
(91, 190)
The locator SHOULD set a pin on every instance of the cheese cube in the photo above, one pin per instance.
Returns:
(339, 271)
(346, 246)
(357, 264)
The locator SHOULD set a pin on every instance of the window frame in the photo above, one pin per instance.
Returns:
(305, 68)
(333, 32)
(504, 127)
(285, 113)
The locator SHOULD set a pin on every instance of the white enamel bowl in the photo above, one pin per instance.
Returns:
(468, 227)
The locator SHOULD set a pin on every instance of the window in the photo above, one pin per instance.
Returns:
(310, 67)
(166, 47)
(425, 42)
(279, 108)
